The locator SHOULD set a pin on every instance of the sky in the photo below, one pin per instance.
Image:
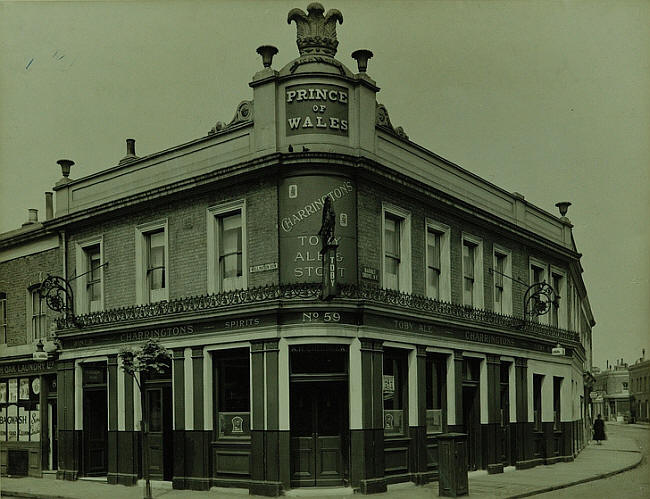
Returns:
(547, 98)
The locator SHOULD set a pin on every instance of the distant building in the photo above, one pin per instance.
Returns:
(640, 389)
(611, 393)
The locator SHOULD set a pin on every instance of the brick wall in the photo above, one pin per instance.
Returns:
(187, 227)
(371, 196)
(16, 276)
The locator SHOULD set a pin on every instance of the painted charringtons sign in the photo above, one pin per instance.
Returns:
(317, 109)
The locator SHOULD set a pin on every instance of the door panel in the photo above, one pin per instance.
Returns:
(158, 444)
(472, 422)
(95, 416)
(317, 422)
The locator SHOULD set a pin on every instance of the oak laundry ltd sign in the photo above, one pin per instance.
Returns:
(316, 108)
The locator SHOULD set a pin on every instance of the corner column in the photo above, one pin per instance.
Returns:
(522, 427)
(367, 442)
(269, 449)
(69, 438)
(494, 465)
(178, 390)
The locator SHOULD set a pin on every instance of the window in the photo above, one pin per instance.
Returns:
(537, 401)
(227, 247)
(396, 249)
(502, 264)
(3, 318)
(38, 324)
(90, 289)
(437, 261)
(392, 251)
(232, 382)
(394, 392)
(433, 263)
(436, 372)
(557, 390)
(152, 262)
(472, 272)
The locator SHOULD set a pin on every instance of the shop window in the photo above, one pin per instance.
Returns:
(437, 261)
(20, 419)
(537, 401)
(396, 235)
(227, 247)
(232, 383)
(394, 392)
(3, 318)
(557, 390)
(152, 262)
(472, 272)
(38, 323)
(436, 386)
(502, 285)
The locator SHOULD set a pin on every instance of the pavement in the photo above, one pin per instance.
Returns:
(619, 453)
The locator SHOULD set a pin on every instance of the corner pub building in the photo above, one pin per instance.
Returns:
(212, 247)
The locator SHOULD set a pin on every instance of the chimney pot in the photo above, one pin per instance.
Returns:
(65, 166)
(130, 147)
(49, 206)
(267, 52)
(362, 56)
(563, 206)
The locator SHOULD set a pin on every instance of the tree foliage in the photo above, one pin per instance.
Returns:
(148, 359)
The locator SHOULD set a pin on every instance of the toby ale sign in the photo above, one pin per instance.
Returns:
(316, 109)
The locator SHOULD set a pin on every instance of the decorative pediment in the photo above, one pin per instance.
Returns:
(316, 33)
(383, 120)
(243, 114)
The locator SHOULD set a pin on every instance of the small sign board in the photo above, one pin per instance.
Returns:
(558, 351)
(369, 273)
(39, 355)
(389, 383)
(263, 267)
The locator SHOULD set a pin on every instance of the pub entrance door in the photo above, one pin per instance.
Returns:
(318, 433)
(95, 433)
(95, 420)
(472, 426)
(158, 441)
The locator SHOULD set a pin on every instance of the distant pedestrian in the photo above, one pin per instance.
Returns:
(599, 430)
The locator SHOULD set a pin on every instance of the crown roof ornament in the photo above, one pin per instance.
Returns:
(316, 33)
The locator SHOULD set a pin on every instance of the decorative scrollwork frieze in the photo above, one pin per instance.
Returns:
(313, 292)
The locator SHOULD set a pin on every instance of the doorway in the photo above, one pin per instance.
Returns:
(95, 419)
(319, 424)
(95, 441)
(158, 442)
(472, 426)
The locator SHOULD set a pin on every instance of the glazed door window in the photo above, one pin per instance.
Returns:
(500, 261)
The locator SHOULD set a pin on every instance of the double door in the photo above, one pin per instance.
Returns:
(319, 426)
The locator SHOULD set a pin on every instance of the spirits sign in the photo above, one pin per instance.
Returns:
(316, 109)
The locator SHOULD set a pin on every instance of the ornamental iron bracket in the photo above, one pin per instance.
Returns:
(57, 293)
